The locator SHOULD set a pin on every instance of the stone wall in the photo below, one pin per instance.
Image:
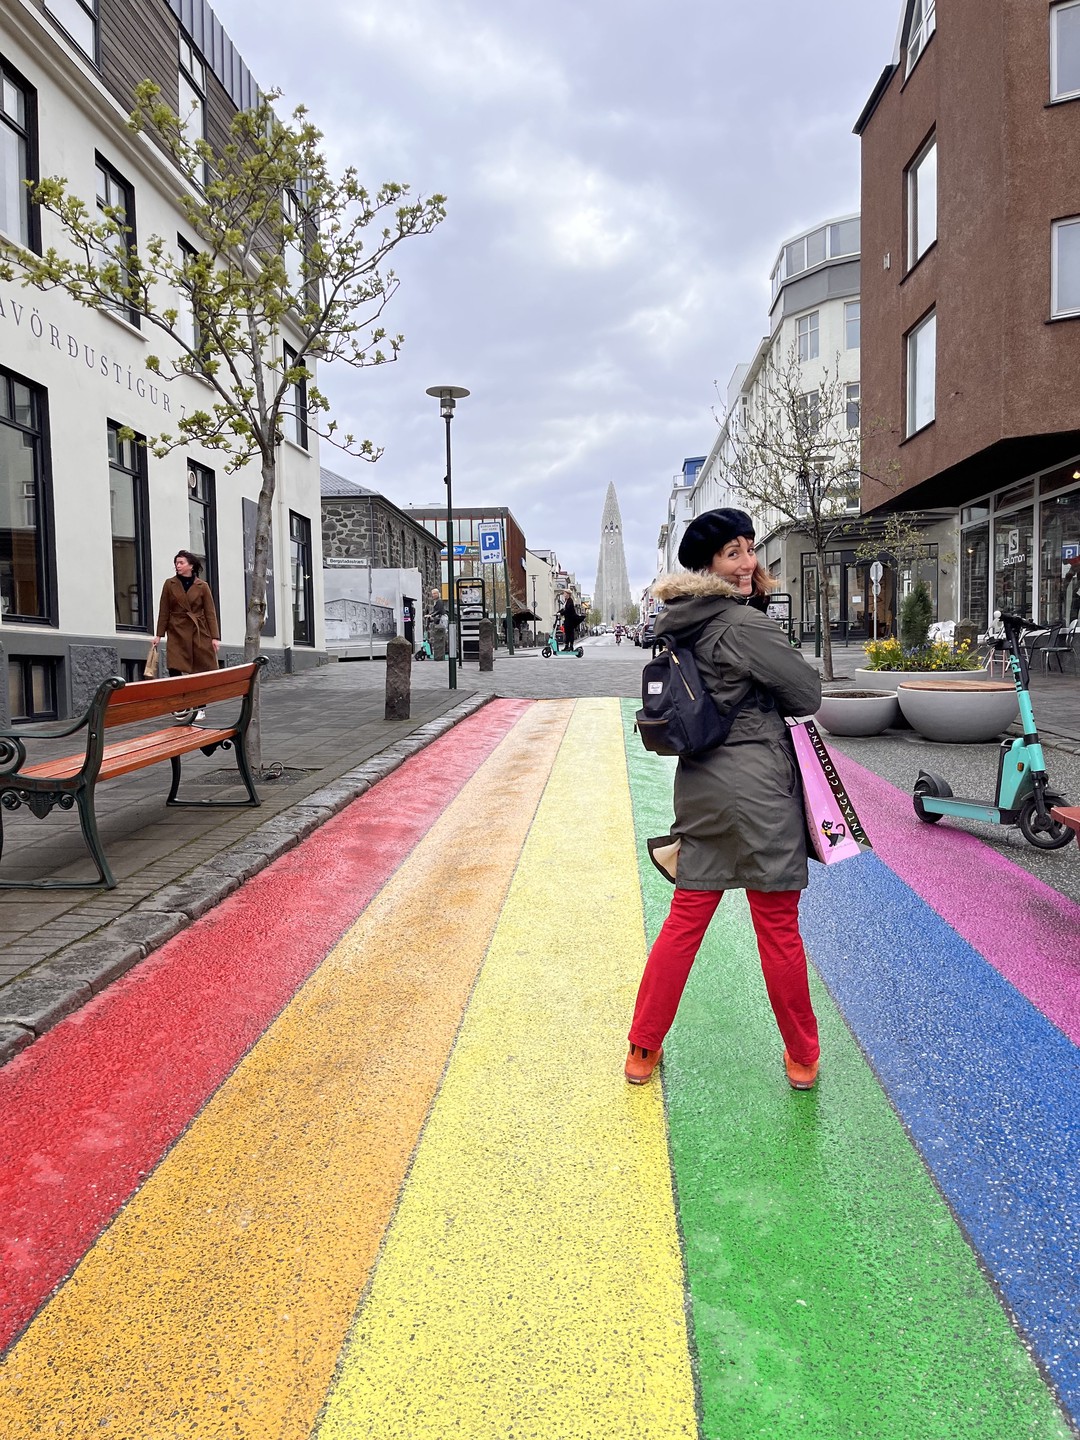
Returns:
(376, 533)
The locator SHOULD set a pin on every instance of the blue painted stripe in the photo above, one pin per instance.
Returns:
(988, 1088)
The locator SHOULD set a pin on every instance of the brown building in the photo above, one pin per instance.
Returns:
(971, 292)
(467, 562)
(361, 525)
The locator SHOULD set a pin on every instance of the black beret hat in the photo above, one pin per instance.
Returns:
(708, 533)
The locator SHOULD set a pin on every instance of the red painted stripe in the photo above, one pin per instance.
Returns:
(88, 1111)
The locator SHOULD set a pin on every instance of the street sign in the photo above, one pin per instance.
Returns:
(458, 550)
(1070, 552)
(491, 544)
(876, 572)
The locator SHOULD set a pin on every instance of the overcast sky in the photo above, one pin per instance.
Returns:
(619, 178)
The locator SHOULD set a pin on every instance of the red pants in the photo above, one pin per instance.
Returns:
(783, 963)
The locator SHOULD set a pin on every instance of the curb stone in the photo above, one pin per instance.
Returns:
(37, 1001)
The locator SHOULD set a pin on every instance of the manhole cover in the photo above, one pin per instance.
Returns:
(272, 775)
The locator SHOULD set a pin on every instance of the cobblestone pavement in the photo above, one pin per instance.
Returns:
(325, 729)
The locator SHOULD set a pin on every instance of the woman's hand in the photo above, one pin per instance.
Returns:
(216, 644)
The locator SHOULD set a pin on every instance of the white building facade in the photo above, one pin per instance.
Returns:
(90, 520)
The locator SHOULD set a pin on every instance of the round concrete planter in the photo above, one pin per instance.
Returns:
(960, 712)
(890, 679)
(858, 712)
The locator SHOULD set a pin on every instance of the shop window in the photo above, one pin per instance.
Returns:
(128, 511)
(1059, 559)
(302, 595)
(32, 688)
(975, 574)
(1013, 567)
(18, 161)
(25, 552)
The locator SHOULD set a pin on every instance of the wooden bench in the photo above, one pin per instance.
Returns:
(1068, 815)
(70, 781)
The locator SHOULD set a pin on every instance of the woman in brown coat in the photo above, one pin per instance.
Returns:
(738, 809)
(187, 620)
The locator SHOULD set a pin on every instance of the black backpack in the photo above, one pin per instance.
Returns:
(678, 716)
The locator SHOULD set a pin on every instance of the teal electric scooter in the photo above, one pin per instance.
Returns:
(1023, 795)
(552, 648)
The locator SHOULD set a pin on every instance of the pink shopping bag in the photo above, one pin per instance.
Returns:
(835, 829)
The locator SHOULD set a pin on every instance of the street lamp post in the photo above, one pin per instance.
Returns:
(447, 396)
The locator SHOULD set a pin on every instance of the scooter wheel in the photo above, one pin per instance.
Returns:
(546, 652)
(1056, 837)
(925, 786)
(419, 655)
(580, 653)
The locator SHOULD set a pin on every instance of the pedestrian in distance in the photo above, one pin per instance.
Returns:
(739, 820)
(187, 622)
(438, 613)
(570, 620)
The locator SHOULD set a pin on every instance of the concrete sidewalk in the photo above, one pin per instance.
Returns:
(325, 731)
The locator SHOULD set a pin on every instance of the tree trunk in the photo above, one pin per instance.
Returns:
(826, 630)
(256, 611)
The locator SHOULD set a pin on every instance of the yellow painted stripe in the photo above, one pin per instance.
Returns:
(217, 1303)
(531, 1282)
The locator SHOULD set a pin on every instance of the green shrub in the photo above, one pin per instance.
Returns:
(916, 615)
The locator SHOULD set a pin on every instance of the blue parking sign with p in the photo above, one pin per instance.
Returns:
(491, 544)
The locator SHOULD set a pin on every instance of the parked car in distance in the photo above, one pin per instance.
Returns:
(648, 631)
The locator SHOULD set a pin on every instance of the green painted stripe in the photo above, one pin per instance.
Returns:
(832, 1294)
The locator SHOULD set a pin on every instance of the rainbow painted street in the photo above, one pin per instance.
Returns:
(354, 1156)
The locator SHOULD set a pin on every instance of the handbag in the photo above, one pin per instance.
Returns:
(150, 669)
(836, 832)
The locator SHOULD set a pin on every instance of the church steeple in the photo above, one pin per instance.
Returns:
(612, 593)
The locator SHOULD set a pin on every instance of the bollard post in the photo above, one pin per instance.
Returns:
(487, 645)
(437, 636)
(398, 678)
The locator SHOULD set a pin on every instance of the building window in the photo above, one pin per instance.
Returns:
(202, 523)
(1065, 51)
(79, 19)
(128, 506)
(1059, 562)
(32, 688)
(923, 25)
(854, 408)
(808, 414)
(18, 162)
(806, 331)
(187, 320)
(303, 603)
(192, 91)
(922, 202)
(116, 201)
(921, 373)
(852, 324)
(23, 501)
(292, 213)
(296, 426)
(1065, 267)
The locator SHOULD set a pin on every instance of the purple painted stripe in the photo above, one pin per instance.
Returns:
(1025, 929)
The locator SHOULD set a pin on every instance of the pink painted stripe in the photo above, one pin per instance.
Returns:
(88, 1111)
(1023, 927)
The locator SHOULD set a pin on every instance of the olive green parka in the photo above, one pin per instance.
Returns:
(739, 809)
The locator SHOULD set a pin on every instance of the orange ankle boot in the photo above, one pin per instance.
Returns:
(641, 1063)
(800, 1077)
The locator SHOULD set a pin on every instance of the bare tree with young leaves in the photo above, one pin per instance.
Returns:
(793, 457)
(287, 252)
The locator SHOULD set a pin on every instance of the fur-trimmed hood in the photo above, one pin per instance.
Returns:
(691, 598)
(692, 583)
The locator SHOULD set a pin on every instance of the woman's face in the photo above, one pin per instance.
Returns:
(737, 562)
(183, 565)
